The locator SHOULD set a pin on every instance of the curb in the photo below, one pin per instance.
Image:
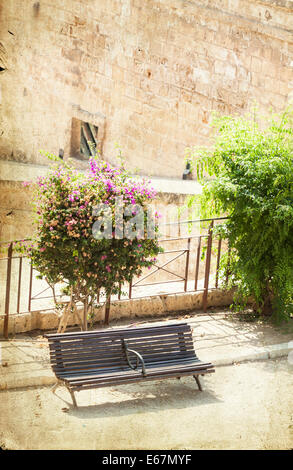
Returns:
(274, 351)
(246, 357)
(27, 382)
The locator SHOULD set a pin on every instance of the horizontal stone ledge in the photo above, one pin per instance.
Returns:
(134, 308)
(12, 171)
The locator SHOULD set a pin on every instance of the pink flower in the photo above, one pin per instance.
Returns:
(108, 268)
(103, 257)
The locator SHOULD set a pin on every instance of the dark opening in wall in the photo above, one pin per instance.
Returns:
(88, 139)
(3, 58)
(36, 8)
(84, 139)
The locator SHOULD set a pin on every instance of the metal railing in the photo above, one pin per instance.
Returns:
(188, 280)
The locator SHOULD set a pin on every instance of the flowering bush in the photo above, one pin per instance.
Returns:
(67, 248)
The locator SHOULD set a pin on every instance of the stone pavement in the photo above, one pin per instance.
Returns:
(219, 338)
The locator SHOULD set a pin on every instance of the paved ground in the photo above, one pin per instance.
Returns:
(245, 406)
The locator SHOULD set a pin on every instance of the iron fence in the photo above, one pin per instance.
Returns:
(193, 274)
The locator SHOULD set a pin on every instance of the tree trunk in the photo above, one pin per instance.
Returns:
(85, 311)
(107, 309)
(267, 308)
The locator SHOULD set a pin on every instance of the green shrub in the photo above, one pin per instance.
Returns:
(248, 175)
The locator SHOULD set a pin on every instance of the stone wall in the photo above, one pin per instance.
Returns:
(147, 73)
(16, 215)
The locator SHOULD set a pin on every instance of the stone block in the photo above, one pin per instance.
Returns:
(226, 69)
(269, 69)
(256, 64)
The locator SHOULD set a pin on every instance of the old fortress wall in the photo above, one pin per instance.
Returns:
(146, 73)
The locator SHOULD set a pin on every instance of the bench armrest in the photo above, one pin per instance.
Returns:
(138, 358)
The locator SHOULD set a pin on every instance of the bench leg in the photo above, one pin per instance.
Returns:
(55, 386)
(53, 389)
(72, 396)
(198, 382)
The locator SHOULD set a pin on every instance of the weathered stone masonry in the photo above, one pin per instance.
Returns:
(146, 73)
(152, 70)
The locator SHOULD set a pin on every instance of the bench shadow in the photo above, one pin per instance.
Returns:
(162, 396)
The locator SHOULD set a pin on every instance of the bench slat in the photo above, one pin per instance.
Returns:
(137, 379)
(95, 355)
(195, 364)
(121, 363)
(143, 349)
(117, 350)
(112, 379)
(124, 331)
(81, 343)
(153, 373)
(87, 362)
(117, 343)
(117, 340)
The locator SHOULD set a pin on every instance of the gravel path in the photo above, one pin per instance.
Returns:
(245, 406)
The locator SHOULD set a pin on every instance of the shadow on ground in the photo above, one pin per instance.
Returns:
(141, 399)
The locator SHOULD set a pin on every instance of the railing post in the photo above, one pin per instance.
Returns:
(197, 263)
(218, 262)
(207, 268)
(7, 295)
(19, 283)
(187, 265)
(228, 265)
(30, 288)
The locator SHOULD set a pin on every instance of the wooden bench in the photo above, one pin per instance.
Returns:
(92, 359)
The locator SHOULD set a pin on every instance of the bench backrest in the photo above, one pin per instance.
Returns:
(104, 349)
